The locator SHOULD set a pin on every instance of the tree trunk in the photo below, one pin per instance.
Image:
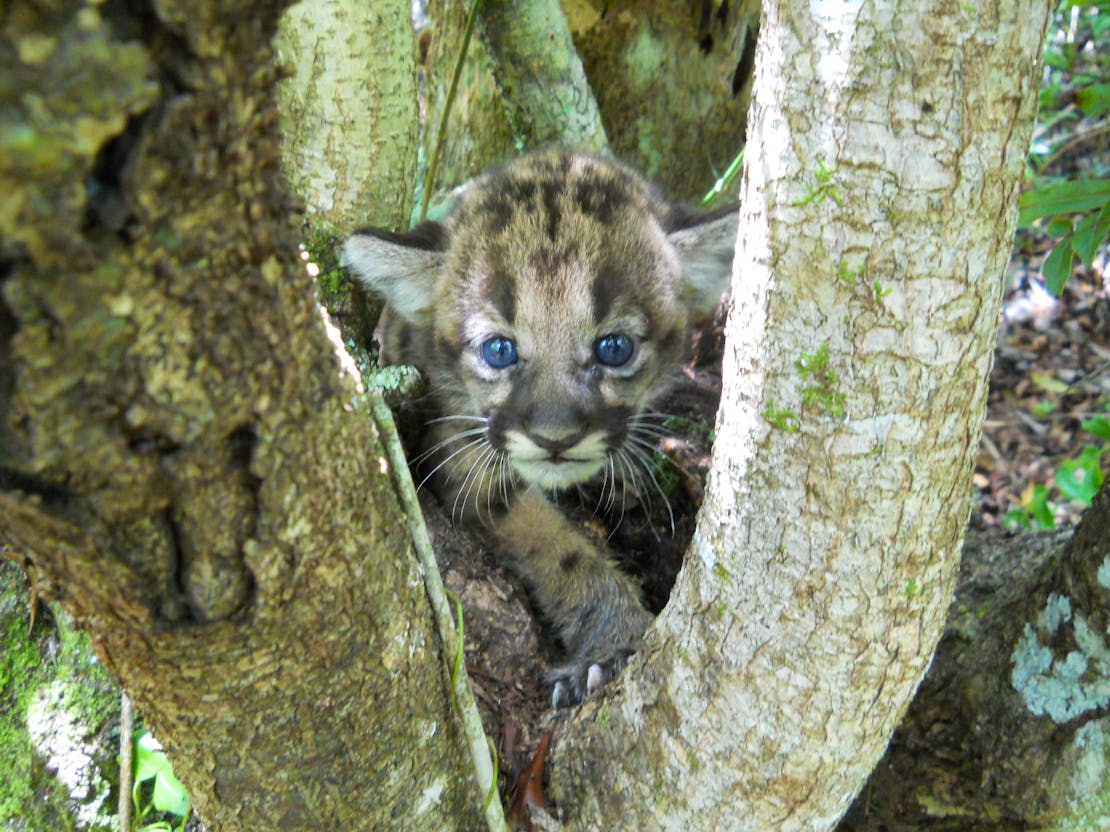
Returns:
(663, 86)
(672, 82)
(183, 462)
(988, 745)
(348, 110)
(881, 177)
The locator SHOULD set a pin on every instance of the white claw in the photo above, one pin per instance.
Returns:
(557, 694)
(594, 678)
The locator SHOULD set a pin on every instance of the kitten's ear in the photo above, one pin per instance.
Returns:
(705, 244)
(402, 268)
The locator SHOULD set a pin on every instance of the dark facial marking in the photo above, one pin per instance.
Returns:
(599, 199)
(501, 289)
(550, 192)
(499, 213)
(570, 561)
(609, 284)
(614, 421)
(448, 350)
(546, 261)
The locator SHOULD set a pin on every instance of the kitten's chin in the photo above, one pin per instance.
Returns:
(555, 475)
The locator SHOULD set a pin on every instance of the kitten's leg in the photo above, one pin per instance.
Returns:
(594, 607)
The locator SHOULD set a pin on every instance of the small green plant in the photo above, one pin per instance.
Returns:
(1043, 408)
(665, 474)
(1080, 239)
(822, 189)
(163, 795)
(1074, 103)
(780, 419)
(878, 292)
(847, 274)
(1077, 479)
(320, 253)
(817, 383)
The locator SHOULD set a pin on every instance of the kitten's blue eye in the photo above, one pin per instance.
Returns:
(614, 350)
(498, 352)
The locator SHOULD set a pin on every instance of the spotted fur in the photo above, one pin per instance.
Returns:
(574, 268)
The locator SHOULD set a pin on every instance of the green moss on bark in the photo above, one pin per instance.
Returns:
(59, 718)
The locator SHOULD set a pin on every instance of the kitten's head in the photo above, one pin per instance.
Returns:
(553, 304)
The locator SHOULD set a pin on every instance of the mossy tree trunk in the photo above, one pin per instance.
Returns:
(183, 462)
(881, 179)
(663, 86)
(672, 82)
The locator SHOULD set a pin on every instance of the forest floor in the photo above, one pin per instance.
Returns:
(1051, 374)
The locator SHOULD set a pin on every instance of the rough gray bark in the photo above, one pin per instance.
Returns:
(878, 202)
(183, 462)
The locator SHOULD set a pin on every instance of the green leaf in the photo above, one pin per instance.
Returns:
(1094, 100)
(1056, 268)
(1018, 518)
(1038, 507)
(1063, 198)
(1043, 408)
(1049, 97)
(1059, 226)
(1080, 479)
(1090, 234)
(170, 795)
(1099, 426)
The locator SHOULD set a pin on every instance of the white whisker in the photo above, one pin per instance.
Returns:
(460, 417)
(453, 437)
(649, 430)
(472, 443)
(468, 483)
(645, 462)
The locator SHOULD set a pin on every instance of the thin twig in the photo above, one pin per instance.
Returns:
(1072, 142)
(476, 740)
(441, 137)
(126, 729)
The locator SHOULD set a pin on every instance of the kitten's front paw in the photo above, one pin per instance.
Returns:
(600, 654)
(576, 680)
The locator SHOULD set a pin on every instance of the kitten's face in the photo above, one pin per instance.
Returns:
(553, 309)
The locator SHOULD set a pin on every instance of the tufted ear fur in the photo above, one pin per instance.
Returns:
(705, 244)
(402, 268)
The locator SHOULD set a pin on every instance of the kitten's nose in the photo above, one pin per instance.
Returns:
(556, 446)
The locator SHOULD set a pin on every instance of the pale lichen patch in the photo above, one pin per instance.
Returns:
(1062, 687)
